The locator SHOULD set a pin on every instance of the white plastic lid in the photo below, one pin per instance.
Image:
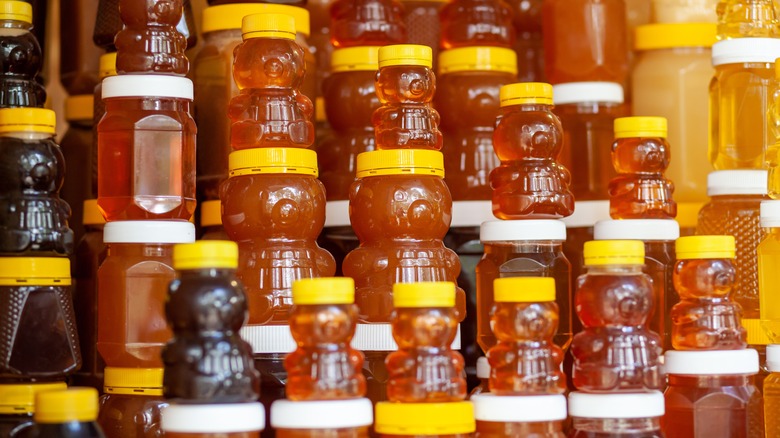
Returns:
(337, 214)
(637, 229)
(268, 338)
(522, 230)
(587, 213)
(324, 414)
(379, 337)
(216, 418)
(770, 214)
(483, 368)
(519, 409)
(149, 232)
(580, 92)
(739, 50)
(773, 358)
(621, 405)
(737, 182)
(714, 362)
(471, 213)
(147, 85)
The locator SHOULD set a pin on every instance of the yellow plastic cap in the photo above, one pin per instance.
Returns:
(485, 58)
(19, 399)
(400, 162)
(670, 35)
(268, 26)
(107, 65)
(411, 419)
(405, 54)
(205, 254)
(640, 127)
(328, 290)
(272, 160)
(226, 17)
(79, 107)
(210, 213)
(523, 93)
(424, 294)
(92, 215)
(524, 289)
(66, 405)
(614, 252)
(27, 120)
(34, 271)
(17, 11)
(141, 381)
(705, 247)
(361, 58)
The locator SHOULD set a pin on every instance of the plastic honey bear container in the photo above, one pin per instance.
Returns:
(149, 42)
(705, 318)
(270, 110)
(324, 366)
(20, 57)
(525, 361)
(405, 85)
(640, 156)
(424, 369)
(529, 184)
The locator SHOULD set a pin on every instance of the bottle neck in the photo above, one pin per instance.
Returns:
(617, 425)
(525, 246)
(140, 249)
(614, 269)
(714, 381)
(206, 273)
(28, 135)
(528, 107)
(147, 103)
(15, 24)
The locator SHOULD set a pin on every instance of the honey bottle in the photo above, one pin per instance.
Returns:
(771, 391)
(406, 85)
(324, 366)
(423, 24)
(223, 420)
(273, 206)
(18, 407)
(21, 58)
(468, 23)
(424, 369)
(768, 254)
(132, 402)
(529, 184)
(270, 110)
(615, 352)
(640, 156)
(366, 23)
(524, 319)
(430, 420)
(108, 23)
(66, 413)
(322, 418)
(206, 361)
(538, 416)
(747, 18)
(625, 415)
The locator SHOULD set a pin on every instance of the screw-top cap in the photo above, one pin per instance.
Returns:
(522, 230)
(744, 50)
(79, 107)
(322, 414)
(640, 127)
(772, 358)
(19, 399)
(711, 362)
(637, 229)
(619, 405)
(614, 252)
(34, 271)
(705, 247)
(66, 405)
(523, 93)
(400, 162)
(360, 58)
(483, 368)
(272, 161)
(107, 65)
(16, 11)
(159, 86)
(225, 17)
(670, 35)
(149, 232)
(480, 58)
(328, 290)
(770, 214)
(737, 182)
(210, 213)
(405, 54)
(92, 215)
(581, 92)
(424, 294)
(523, 289)
(424, 418)
(213, 419)
(27, 120)
(205, 254)
(519, 409)
(268, 26)
(133, 381)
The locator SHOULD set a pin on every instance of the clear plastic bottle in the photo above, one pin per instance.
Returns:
(538, 416)
(227, 420)
(66, 413)
(468, 23)
(322, 419)
(18, 405)
(768, 253)
(76, 146)
(366, 23)
(132, 401)
(432, 420)
(772, 391)
(624, 415)
(747, 18)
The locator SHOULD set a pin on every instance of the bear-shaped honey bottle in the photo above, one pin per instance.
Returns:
(640, 156)
(268, 67)
(424, 323)
(20, 58)
(615, 352)
(207, 361)
(324, 366)
(366, 23)
(525, 361)
(529, 183)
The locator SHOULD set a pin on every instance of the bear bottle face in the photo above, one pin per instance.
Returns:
(646, 155)
(31, 167)
(424, 327)
(524, 321)
(323, 324)
(618, 304)
(405, 84)
(712, 278)
(267, 62)
(20, 55)
(140, 14)
(208, 305)
(528, 135)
